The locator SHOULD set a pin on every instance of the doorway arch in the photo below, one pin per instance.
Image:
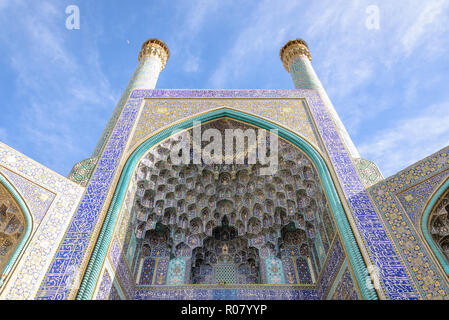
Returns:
(20, 229)
(99, 253)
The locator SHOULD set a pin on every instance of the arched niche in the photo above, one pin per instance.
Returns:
(15, 226)
(225, 258)
(176, 205)
(435, 225)
(232, 235)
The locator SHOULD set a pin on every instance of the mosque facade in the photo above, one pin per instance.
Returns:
(224, 194)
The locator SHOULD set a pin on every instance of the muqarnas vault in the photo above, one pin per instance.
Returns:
(131, 223)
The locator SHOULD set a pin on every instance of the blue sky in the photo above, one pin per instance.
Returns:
(390, 86)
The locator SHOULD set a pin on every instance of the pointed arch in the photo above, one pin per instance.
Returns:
(425, 224)
(27, 230)
(100, 250)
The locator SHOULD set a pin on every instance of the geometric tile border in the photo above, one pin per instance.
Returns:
(335, 261)
(31, 268)
(107, 289)
(65, 272)
(158, 113)
(394, 276)
(344, 286)
(417, 183)
(93, 272)
(414, 199)
(37, 198)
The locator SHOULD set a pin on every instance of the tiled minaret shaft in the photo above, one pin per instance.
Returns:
(152, 60)
(297, 60)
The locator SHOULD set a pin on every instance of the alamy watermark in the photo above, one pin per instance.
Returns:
(73, 20)
(372, 21)
(259, 149)
(373, 279)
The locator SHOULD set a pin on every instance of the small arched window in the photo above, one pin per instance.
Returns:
(438, 224)
(13, 229)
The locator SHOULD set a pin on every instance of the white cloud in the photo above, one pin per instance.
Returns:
(427, 22)
(197, 14)
(3, 135)
(59, 92)
(4, 3)
(350, 59)
(410, 140)
(190, 22)
(264, 33)
(192, 64)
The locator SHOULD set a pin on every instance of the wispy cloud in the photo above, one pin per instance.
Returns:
(410, 140)
(264, 33)
(191, 22)
(429, 21)
(192, 64)
(380, 81)
(58, 91)
(356, 66)
(197, 14)
(4, 3)
(3, 135)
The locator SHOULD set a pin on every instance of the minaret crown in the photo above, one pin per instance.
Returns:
(293, 49)
(156, 48)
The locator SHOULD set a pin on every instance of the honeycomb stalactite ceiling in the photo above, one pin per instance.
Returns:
(220, 252)
(12, 226)
(193, 200)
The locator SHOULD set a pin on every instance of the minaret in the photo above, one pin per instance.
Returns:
(152, 60)
(297, 59)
